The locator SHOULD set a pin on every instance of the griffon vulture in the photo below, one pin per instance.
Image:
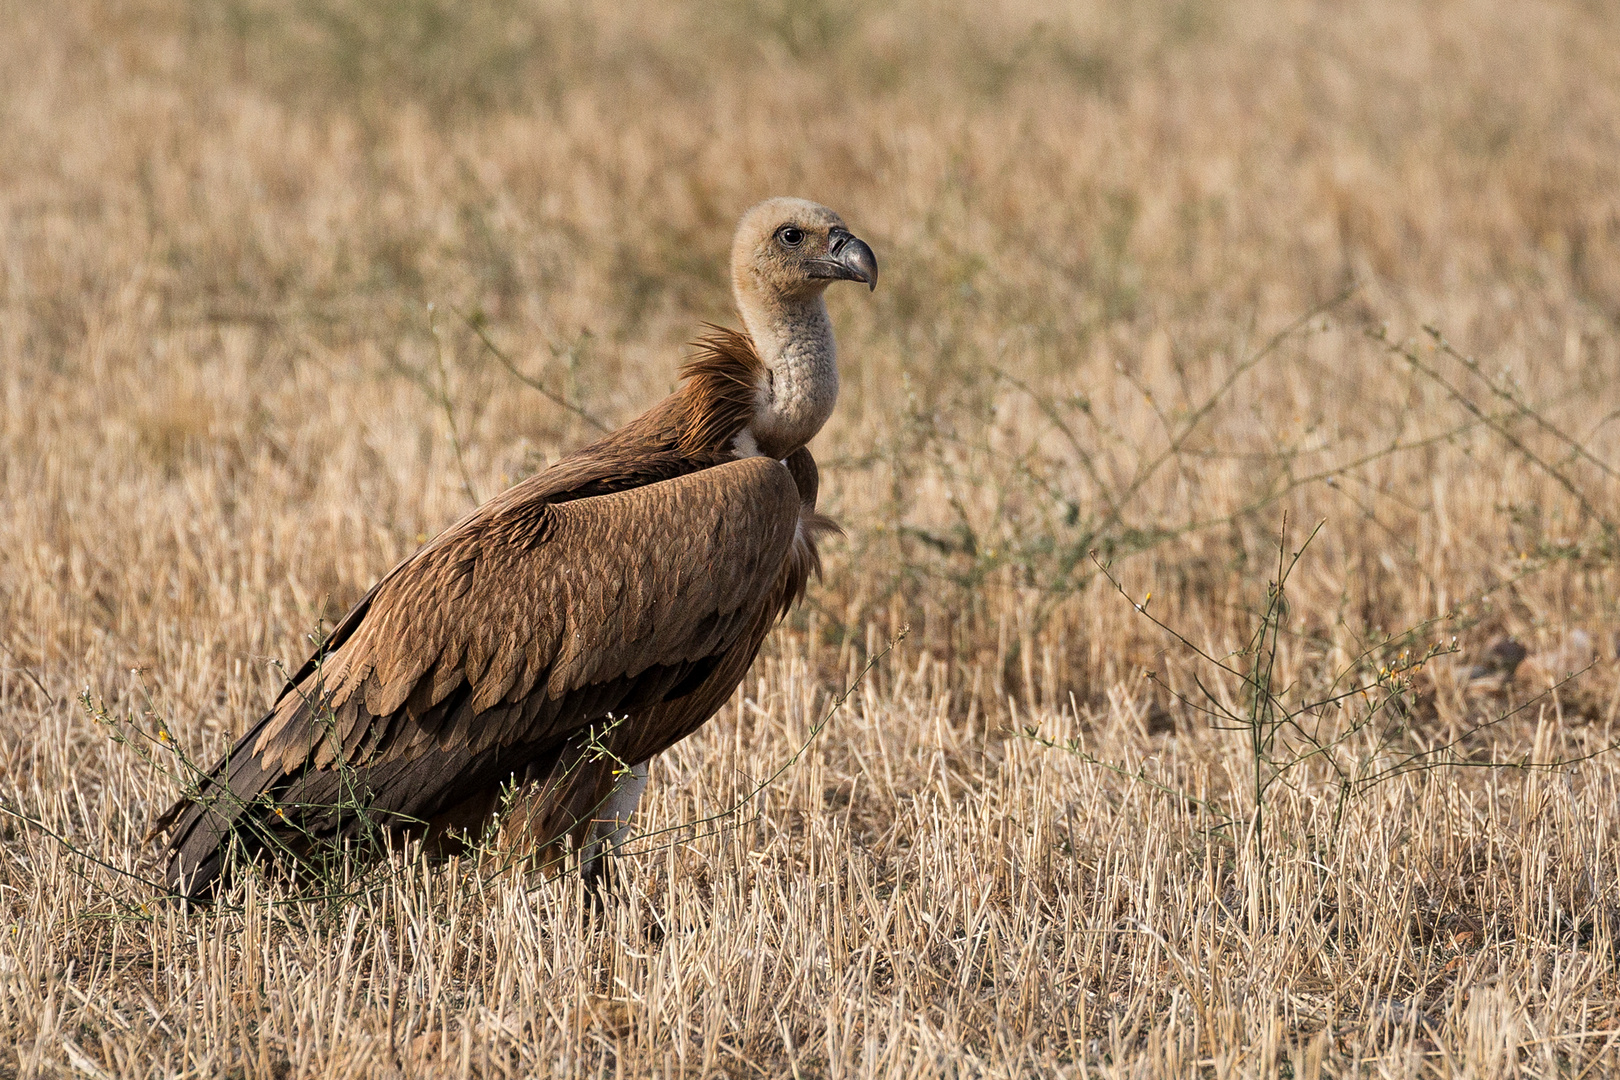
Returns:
(613, 601)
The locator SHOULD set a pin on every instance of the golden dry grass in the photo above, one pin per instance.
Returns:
(239, 242)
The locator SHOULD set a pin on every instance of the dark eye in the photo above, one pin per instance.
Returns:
(790, 235)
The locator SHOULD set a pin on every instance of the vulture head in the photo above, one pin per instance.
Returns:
(786, 253)
(789, 249)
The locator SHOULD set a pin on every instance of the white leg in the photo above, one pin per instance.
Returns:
(610, 828)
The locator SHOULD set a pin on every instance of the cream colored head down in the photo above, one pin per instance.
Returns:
(787, 251)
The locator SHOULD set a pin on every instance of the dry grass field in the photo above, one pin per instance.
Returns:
(1167, 285)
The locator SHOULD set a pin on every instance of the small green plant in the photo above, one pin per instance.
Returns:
(1353, 724)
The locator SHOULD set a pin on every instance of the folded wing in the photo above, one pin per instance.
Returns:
(482, 654)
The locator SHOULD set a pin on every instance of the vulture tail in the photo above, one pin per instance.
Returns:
(205, 824)
(250, 808)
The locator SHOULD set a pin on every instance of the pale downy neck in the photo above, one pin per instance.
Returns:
(794, 339)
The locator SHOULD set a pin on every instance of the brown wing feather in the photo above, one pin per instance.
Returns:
(558, 811)
(551, 613)
(592, 590)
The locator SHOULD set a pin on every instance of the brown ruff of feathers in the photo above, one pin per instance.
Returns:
(722, 385)
(585, 619)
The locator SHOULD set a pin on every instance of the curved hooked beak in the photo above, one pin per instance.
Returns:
(849, 259)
